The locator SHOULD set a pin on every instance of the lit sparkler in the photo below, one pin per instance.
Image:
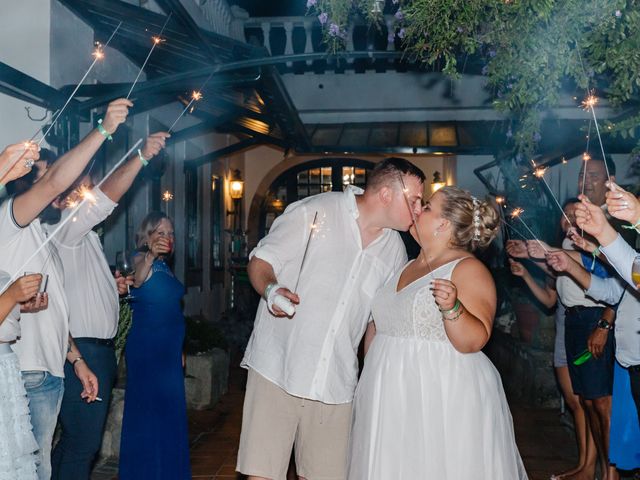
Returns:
(156, 40)
(516, 213)
(539, 173)
(196, 95)
(98, 54)
(69, 218)
(589, 103)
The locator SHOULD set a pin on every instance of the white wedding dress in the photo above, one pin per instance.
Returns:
(423, 410)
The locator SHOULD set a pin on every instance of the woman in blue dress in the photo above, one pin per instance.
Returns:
(154, 444)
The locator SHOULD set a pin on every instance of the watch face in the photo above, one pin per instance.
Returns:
(604, 324)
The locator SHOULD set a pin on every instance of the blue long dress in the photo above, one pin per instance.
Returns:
(154, 442)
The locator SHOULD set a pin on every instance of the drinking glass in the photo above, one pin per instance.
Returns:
(125, 264)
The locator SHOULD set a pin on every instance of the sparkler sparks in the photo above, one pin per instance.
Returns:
(516, 213)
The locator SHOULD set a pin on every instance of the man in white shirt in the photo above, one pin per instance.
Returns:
(93, 310)
(45, 342)
(303, 367)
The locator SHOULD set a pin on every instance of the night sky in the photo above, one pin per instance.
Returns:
(272, 8)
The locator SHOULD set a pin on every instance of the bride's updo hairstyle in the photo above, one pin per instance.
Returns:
(474, 223)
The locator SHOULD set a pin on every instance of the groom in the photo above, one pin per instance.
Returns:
(303, 367)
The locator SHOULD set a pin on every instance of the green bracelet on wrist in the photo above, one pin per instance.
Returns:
(455, 308)
(103, 131)
(143, 160)
(635, 226)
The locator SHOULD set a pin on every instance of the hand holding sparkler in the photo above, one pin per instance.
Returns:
(281, 301)
(582, 243)
(538, 249)
(516, 213)
(154, 144)
(517, 268)
(592, 220)
(517, 249)
(11, 156)
(116, 114)
(622, 205)
(560, 261)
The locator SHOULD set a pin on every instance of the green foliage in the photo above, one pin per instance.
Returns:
(534, 50)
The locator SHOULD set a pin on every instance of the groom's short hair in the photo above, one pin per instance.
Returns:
(388, 170)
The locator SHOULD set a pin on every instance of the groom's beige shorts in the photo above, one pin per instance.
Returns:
(273, 421)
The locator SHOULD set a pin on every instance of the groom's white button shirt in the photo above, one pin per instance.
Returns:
(314, 354)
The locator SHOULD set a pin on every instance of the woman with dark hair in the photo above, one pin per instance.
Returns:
(429, 403)
(154, 442)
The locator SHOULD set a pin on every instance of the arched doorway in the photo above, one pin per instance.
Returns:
(310, 178)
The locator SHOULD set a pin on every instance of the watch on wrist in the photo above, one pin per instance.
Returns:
(604, 325)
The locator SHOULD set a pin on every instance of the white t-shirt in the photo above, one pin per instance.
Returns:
(90, 286)
(313, 355)
(45, 334)
(9, 328)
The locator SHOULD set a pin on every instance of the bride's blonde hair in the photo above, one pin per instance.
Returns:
(474, 222)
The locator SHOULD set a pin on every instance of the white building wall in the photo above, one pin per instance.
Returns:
(24, 45)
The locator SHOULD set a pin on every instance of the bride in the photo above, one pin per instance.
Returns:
(430, 404)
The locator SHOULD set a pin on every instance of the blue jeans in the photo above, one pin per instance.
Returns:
(45, 396)
(83, 423)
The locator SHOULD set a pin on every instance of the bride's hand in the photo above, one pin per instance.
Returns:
(445, 293)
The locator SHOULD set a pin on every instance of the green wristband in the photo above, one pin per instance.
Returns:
(455, 307)
(103, 131)
(143, 160)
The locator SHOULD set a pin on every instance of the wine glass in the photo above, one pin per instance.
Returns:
(125, 265)
(635, 271)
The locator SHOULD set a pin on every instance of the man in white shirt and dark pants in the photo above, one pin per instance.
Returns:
(303, 368)
(93, 311)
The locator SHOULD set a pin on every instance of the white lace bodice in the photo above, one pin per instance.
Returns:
(412, 312)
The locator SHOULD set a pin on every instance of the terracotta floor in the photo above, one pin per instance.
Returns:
(546, 445)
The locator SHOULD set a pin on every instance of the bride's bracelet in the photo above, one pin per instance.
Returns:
(454, 313)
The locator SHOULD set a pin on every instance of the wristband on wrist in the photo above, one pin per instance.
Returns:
(1, 187)
(595, 254)
(76, 360)
(267, 290)
(635, 226)
(103, 131)
(455, 308)
(143, 160)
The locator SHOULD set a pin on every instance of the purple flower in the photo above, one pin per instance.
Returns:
(618, 13)
(311, 3)
(509, 133)
(485, 70)
(537, 137)
(391, 37)
(401, 33)
(334, 30)
(323, 17)
(509, 86)
(395, 2)
(459, 29)
(492, 53)
(399, 15)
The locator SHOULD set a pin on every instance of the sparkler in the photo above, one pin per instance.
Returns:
(539, 173)
(157, 39)
(516, 214)
(588, 104)
(167, 196)
(196, 95)
(306, 249)
(98, 54)
(69, 217)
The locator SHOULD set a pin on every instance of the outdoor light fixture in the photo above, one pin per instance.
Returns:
(437, 182)
(236, 186)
